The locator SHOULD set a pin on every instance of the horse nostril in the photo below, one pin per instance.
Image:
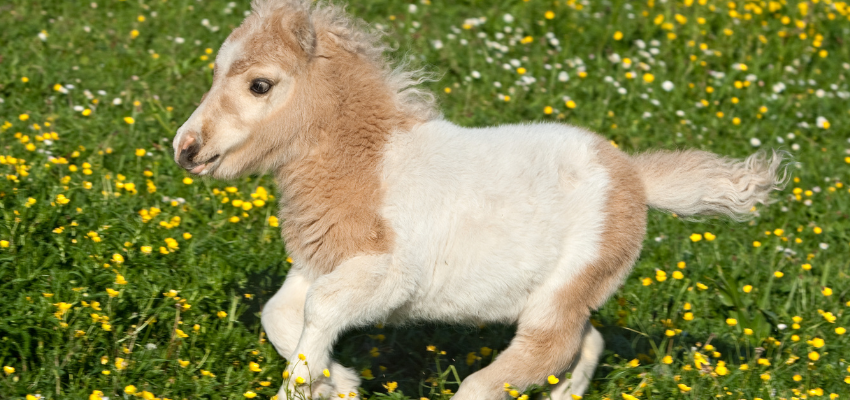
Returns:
(187, 156)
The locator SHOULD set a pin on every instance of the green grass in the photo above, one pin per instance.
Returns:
(57, 254)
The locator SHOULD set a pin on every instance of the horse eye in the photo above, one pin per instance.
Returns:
(260, 86)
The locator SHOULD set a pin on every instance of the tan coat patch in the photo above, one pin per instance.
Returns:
(332, 194)
(622, 235)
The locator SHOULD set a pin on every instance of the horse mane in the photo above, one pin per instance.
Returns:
(356, 36)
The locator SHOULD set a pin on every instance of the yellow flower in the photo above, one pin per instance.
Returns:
(667, 360)
(829, 317)
(130, 389)
(187, 180)
(553, 380)
(112, 292)
(120, 364)
(748, 331)
(221, 314)
(96, 395)
(254, 367)
(129, 120)
(840, 330)
(548, 110)
(146, 249)
(618, 35)
(731, 321)
(709, 236)
(4, 243)
(778, 274)
(570, 104)
(391, 386)
(180, 333)
(521, 70)
(140, 152)
(826, 291)
(688, 316)
(249, 394)
(299, 380)
(549, 15)
(748, 288)
(817, 343)
(756, 244)
(765, 377)
(648, 78)
(326, 373)
(678, 275)
(634, 363)
(696, 237)
(814, 356)
(8, 370)
(183, 364)
(117, 258)
(684, 388)
(629, 397)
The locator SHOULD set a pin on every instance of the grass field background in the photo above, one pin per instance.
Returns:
(122, 277)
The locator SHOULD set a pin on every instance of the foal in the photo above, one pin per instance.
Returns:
(391, 213)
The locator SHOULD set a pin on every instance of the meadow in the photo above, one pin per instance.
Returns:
(123, 277)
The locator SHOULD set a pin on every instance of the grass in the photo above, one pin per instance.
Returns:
(88, 187)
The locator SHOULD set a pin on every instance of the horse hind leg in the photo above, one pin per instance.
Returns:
(581, 372)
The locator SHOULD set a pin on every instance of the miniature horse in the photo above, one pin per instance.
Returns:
(391, 213)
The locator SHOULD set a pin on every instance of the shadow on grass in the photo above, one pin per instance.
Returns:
(401, 353)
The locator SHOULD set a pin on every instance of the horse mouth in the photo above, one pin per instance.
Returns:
(202, 168)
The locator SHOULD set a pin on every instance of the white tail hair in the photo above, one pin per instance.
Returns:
(693, 182)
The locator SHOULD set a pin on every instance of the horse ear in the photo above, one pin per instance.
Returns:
(305, 34)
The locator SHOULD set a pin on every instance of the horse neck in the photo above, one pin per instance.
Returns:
(331, 195)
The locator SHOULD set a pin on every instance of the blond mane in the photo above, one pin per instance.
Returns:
(358, 37)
